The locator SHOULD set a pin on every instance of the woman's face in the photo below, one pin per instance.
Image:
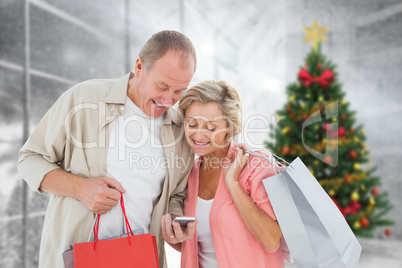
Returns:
(206, 129)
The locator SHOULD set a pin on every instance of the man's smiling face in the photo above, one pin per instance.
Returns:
(154, 91)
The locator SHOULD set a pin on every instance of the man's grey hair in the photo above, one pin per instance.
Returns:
(161, 42)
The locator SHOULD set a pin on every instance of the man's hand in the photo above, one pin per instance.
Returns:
(100, 194)
(173, 233)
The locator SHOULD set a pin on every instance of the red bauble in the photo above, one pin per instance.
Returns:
(355, 206)
(343, 117)
(306, 65)
(374, 191)
(286, 150)
(326, 127)
(341, 132)
(305, 116)
(328, 159)
(353, 154)
(288, 108)
(352, 130)
(346, 178)
(319, 66)
(388, 232)
(364, 222)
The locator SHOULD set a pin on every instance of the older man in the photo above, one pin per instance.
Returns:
(103, 137)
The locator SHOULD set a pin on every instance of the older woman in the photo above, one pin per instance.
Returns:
(236, 224)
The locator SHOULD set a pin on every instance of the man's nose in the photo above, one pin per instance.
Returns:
(168, 100)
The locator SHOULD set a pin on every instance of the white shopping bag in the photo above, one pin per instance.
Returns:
(314, 229)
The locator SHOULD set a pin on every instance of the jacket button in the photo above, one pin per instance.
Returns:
(122, 107)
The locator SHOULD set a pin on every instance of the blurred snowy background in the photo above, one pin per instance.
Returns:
(46, 46)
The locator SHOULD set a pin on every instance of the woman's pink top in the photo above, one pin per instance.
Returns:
(235, 246)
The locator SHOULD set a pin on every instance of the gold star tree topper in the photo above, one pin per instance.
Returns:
(315, 34)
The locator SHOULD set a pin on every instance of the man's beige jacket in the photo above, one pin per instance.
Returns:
(74, 135)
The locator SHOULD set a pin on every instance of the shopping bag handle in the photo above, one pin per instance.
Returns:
(128, 227)
(276, 164)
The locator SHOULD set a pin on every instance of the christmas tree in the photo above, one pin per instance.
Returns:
(316, 124)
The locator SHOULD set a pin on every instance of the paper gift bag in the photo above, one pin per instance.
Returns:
(130, 251)
(314, 229)
(117, 252)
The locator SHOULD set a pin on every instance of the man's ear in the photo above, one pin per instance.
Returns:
(139, 67)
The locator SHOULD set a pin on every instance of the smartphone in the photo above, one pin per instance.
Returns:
(184, 220)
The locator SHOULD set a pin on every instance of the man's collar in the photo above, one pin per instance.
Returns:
(118, 92)
(174, 115)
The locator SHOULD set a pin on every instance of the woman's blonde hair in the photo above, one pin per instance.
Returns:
(223, 94)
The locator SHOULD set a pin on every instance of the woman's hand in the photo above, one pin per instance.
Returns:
(173, 233)
(234, 164)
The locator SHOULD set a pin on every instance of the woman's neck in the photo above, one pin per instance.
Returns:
(215, 159)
